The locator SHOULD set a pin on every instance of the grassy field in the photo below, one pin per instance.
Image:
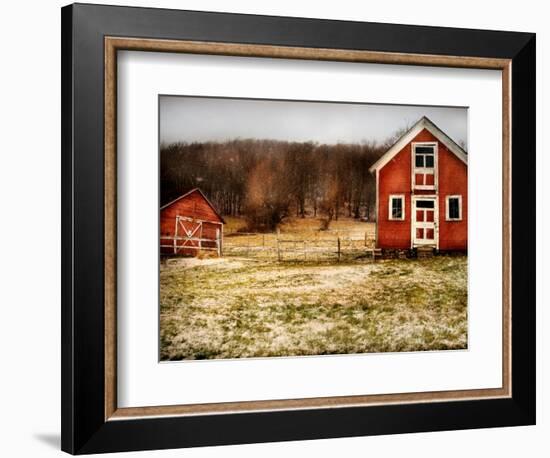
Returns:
(234, 307)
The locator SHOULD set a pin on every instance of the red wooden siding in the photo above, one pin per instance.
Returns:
(395, 178)
(453, 180)
(195, 206)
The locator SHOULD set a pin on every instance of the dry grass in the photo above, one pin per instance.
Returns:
(239, 307)
(300, 240)
(304, 226)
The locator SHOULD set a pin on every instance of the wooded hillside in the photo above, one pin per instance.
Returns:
(266, 180)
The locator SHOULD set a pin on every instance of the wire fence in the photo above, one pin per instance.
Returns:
(302, 246)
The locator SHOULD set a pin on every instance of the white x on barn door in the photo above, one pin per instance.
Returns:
(424, 221)
(187, 233)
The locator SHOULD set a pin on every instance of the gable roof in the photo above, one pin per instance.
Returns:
(188, 193)
(407, 137)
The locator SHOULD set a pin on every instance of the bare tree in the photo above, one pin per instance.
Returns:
(264, 181)
(267, 197)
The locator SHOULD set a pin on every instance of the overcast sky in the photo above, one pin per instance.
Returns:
(198, 119)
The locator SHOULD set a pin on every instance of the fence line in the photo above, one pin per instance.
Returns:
(287, 248)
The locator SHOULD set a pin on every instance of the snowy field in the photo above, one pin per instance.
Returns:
(234, 307)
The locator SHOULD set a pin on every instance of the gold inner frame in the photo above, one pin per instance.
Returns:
(114, 44)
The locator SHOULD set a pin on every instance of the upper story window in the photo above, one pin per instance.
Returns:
(424, 165)
(424, 156)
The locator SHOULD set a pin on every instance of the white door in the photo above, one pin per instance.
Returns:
(424, 221)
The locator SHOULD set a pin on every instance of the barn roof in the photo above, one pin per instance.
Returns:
(188, 193)
(407, 137)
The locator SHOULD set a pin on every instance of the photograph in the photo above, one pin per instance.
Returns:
(302, 228)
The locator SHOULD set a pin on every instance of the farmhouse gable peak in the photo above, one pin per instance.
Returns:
(406, 138)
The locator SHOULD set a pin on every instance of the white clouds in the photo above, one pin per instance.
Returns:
(204, 118)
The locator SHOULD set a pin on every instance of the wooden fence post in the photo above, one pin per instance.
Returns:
(365, 238)
(338, 249)
(278, 245)
(218, 243)
(221, 240)
(176, 235)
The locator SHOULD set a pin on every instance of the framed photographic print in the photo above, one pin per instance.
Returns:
(282, 228)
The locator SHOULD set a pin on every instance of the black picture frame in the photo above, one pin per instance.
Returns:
(84, 429)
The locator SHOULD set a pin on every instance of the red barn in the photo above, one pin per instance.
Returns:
(190, 224)
(422, 192)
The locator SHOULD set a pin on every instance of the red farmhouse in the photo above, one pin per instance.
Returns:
(422, 192)
(190, 224)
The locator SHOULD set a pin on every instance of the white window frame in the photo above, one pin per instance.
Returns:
(447, 207)
(415, 169)
(390, 207)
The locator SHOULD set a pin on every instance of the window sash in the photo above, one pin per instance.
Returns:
(424, 160)
(428, 203)
(397, 208)
(424, 156)
(454, 211)
(424, 166)
(454, 208)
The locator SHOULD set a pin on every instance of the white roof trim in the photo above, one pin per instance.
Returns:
(423, 123)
